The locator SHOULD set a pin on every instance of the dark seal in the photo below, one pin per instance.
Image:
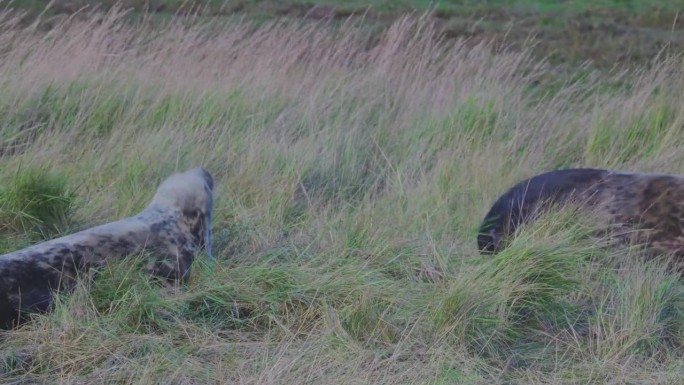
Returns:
(645, 208)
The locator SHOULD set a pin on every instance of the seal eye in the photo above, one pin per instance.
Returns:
(191, 214)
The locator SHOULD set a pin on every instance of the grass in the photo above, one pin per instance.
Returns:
(604, 33)
(35, 203)
(351, 176)
(217, 6)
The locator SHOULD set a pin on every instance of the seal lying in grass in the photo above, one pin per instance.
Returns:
(172, 228)
(651, 204)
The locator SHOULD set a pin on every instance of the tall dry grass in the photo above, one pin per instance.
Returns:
(352, 172)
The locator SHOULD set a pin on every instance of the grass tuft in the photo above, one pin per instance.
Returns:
(38, 203)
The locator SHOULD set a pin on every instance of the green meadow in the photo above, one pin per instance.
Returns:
(353, 166)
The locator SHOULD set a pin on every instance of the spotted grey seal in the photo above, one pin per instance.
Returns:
(172, 228)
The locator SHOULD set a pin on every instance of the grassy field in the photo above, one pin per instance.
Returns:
(604, 32)
(352, 172)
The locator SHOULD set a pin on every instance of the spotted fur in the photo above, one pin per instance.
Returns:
(173, 227)
(648, 207)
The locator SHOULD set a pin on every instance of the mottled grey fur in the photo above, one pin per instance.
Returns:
(645, 208)
(172, 228)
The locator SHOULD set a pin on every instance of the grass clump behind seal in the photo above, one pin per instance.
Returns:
(36, 203)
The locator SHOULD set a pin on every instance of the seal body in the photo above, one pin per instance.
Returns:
(173, 227)
(644, 207)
